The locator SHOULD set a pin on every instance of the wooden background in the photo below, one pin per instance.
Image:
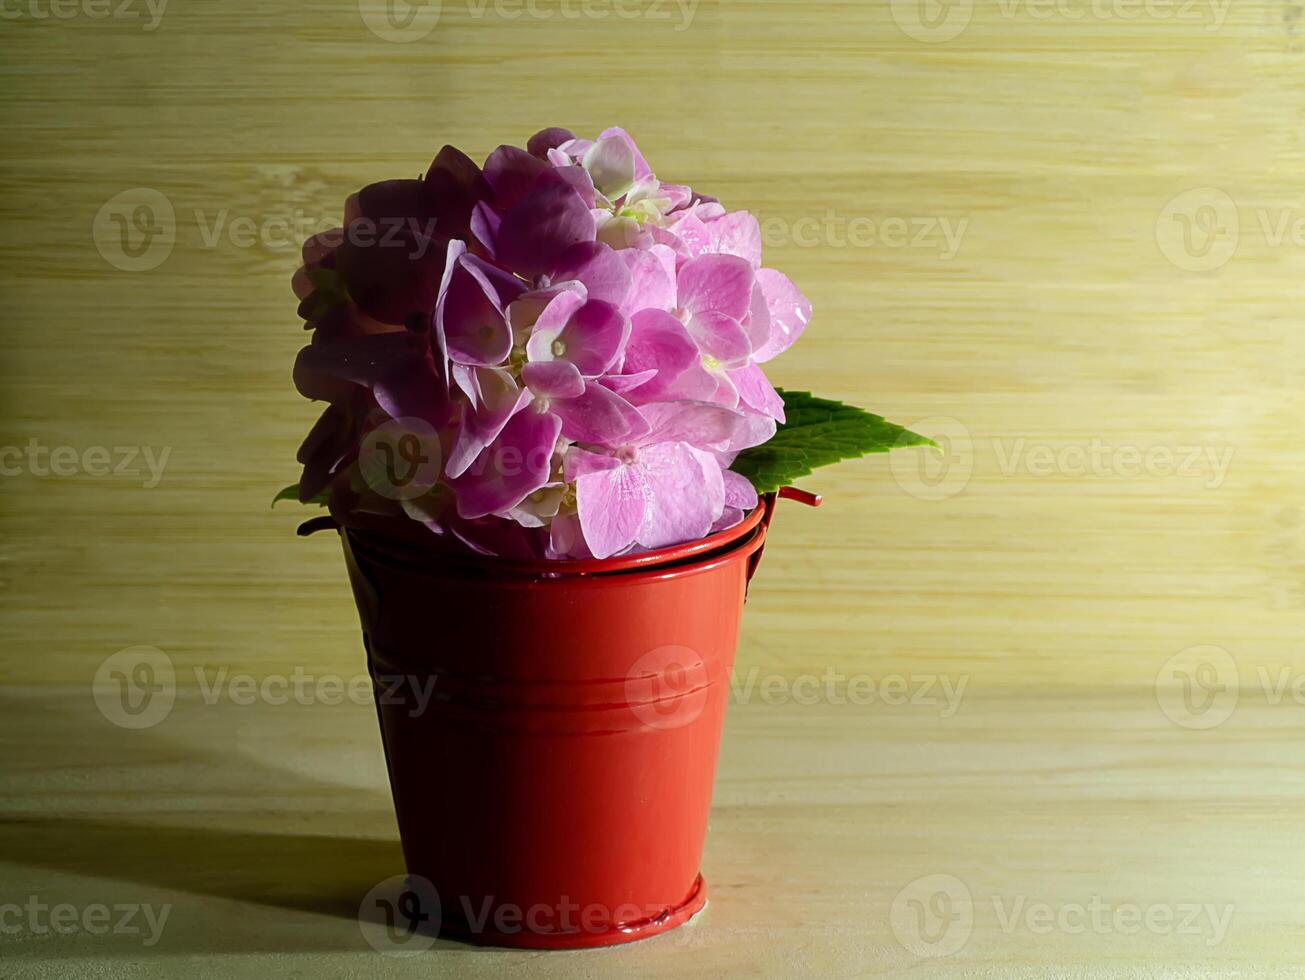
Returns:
(1069, 144)
(1056, 141)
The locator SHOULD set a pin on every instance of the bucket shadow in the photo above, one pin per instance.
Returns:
(141, 858)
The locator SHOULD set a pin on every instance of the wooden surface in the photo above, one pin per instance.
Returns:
(1122, 406)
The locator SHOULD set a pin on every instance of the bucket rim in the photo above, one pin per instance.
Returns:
(409, 552)
(542, 573)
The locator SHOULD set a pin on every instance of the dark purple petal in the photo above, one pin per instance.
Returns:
(547, 139)
(511, 172)
(543, 225)
(457, 185)
(391, 277)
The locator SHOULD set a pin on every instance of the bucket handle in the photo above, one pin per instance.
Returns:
(768, 502)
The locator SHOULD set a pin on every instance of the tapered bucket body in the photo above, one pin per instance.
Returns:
(551, 730)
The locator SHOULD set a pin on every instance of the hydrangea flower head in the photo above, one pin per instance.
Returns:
(578, 342)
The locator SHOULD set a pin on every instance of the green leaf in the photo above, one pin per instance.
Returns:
(292, 493)
(328, 292)
(818, 432)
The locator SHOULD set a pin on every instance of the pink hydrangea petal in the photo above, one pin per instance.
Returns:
(598, 416)
(580, 182)
(471, 324)
(611, 505)
(686, 493)
(499, 399)
(720, 336)
(624, 383)
(737, 233)
(696, 423)
(552, 321)
(566, 539)
(757, 323)
(593, 338)
(501, 286)
(514, 465)
(789, 313)
(716, 283)
(729, 517)
(658, 342)
(579, 461)
(542, 225)
(693, 235)
(695, 383)
(599, 267)
(652, 283)
(739, 491)
(553, 379)
(756, 391)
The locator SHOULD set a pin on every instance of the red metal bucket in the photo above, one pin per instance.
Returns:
(551, 729)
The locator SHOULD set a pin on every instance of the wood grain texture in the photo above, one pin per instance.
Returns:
(1122, 403)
